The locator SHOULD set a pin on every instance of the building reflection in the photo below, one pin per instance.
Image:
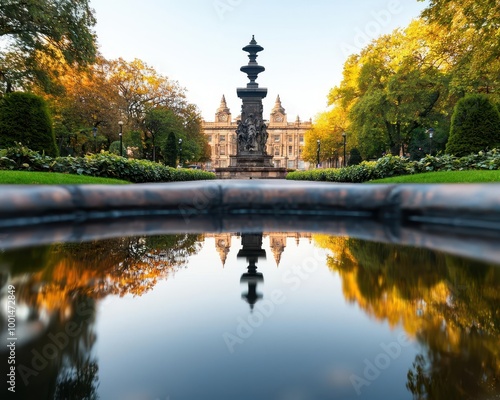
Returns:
(277, 242)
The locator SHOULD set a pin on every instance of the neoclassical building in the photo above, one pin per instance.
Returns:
(284, 143)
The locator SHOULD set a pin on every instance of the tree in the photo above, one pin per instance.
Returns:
(475, 125)
(33, 26)
(88, 101)
(195, 144)
(170, 150)
(159, 121)
(449, 305)
(328, 128)
(394, 86)
(24, 117)
(354, 157)
(472, 40)
(141, 88)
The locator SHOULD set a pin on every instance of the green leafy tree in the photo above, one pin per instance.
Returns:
(25, 118)
(159, 121)
(475, 125)
(394, 86)
(170, 150)
(31, 27)
(472, 40)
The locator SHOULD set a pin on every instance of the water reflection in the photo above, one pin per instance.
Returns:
(57, 288)
(252, 250)
(448, 306)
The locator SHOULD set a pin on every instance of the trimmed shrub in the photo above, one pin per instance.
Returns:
(354, 157)
(101, 165)
(393, 165)
(24, 117)
(475, 126)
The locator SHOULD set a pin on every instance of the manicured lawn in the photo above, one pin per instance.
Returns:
(472, 176)
(51, 178)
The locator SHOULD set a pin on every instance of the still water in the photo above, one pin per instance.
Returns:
(265, 316)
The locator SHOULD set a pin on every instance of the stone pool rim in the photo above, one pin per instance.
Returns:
(474, 205)
(459, 218)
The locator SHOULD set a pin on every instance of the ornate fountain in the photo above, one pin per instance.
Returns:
(251, 159)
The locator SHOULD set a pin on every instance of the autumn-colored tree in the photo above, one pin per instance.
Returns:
(35, 26)
(142, 88)
(328, 129)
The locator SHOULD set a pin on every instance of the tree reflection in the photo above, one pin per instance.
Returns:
(60, 286)
(78, 383)
(449, 304)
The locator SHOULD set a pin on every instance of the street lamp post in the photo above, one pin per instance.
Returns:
(430, 131)
(94, 131)
(121, 137)
(282, 153)
(180, 152)
(343, 137)
(317, 153)
(286, 152)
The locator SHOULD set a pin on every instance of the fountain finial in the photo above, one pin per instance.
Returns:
(252, 69)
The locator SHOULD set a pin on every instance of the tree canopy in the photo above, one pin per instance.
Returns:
(394, 87)
(31, 27)
(404, 83)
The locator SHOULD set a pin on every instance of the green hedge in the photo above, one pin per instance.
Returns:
(393, 165)
(102, 165)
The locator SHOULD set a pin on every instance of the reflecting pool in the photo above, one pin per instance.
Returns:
(284, 316)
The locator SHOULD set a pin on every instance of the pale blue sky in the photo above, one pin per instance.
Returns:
(198, 43)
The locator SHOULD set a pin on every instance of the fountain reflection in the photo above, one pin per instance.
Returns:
(252, 250)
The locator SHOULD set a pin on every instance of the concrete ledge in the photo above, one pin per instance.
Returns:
(451, 217)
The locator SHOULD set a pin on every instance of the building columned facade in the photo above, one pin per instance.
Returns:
(285, 139)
